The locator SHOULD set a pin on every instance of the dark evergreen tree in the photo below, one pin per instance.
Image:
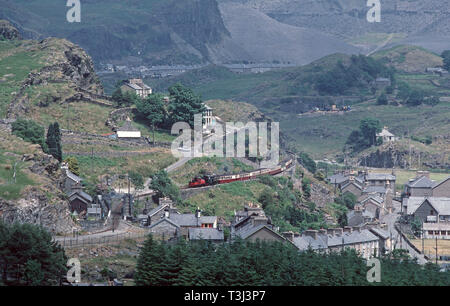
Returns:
(54, 141)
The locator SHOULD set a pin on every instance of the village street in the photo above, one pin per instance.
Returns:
(399, 243)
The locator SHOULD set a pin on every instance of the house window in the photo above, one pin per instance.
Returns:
(436, 232)
(430, 232)
(431, 213)
(443, 233)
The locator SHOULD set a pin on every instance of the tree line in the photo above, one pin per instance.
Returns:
(244, 263)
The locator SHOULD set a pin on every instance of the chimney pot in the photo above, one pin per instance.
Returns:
(338, 232)
(288, 235)
(348, 229)
(311, 233)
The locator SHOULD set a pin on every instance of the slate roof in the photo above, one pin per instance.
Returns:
(157, 209)
(386, 133)
(81, 194)
(134, 86)
(380, 177)
(164, 220)
(337, 178)
(350, 183)
(247, 231)
(442, 205)
(421, 182)
(352, 238)
(375, 189)
(305, 242)
(191, 220)
(205, 234)
(379, 232)
(327, 241)
(377, 199)
(128, 127)
(73, 177)
(439, 183)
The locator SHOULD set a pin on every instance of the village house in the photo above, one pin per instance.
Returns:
(374, 205)
(420, 186)
(79, 202)
(386, 136)
(359, 216)
(380, 179)
(208, 117)
(437, 70)
(252, 224)
(128, 131)
(442, 189)
(364, 241)
(382, 82)
(172, 224)
(138, 87)
(353, 187)
(341, 179)
(433, 212)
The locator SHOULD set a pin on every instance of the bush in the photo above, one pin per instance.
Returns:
(306, 161)
(30, 131)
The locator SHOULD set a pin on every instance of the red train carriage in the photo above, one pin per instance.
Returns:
(224, 179)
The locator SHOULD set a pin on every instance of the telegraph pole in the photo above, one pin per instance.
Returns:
(436, 248)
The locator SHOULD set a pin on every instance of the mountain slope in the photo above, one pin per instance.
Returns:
(170, 32)
(424, 23)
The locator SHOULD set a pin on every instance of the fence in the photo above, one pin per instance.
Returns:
(83, 241)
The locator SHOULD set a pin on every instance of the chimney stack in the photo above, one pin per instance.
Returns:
(348, 229)
(330, 231)
(338, 232)
(311, 233)
(198, 213)
(357, 228)
(288, 235)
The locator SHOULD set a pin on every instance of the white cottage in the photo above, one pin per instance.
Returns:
(128, 131)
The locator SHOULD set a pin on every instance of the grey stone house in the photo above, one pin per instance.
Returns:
(334, 240)
(442, 189)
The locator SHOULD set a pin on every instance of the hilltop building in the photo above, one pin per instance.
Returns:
(386, 136)
(128, 130)
(138, 87)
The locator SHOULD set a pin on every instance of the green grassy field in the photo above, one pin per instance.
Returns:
(15, 65)
(93, 168)
(10, 187)
(325, 135)
(224, 200)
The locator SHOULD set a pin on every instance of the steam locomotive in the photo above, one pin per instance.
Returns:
(209, 180)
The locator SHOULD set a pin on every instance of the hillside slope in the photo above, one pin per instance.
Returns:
(424, 23)
(51, 80)
(34, 195)
(172, 32)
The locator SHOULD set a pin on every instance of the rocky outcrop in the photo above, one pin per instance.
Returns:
(8, 32)
(42, 203)
(391, 156)
(66, 64)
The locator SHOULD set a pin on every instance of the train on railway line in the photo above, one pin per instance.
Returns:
(209, 180)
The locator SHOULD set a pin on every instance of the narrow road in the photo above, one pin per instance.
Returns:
(388, 39)
(400, 243)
